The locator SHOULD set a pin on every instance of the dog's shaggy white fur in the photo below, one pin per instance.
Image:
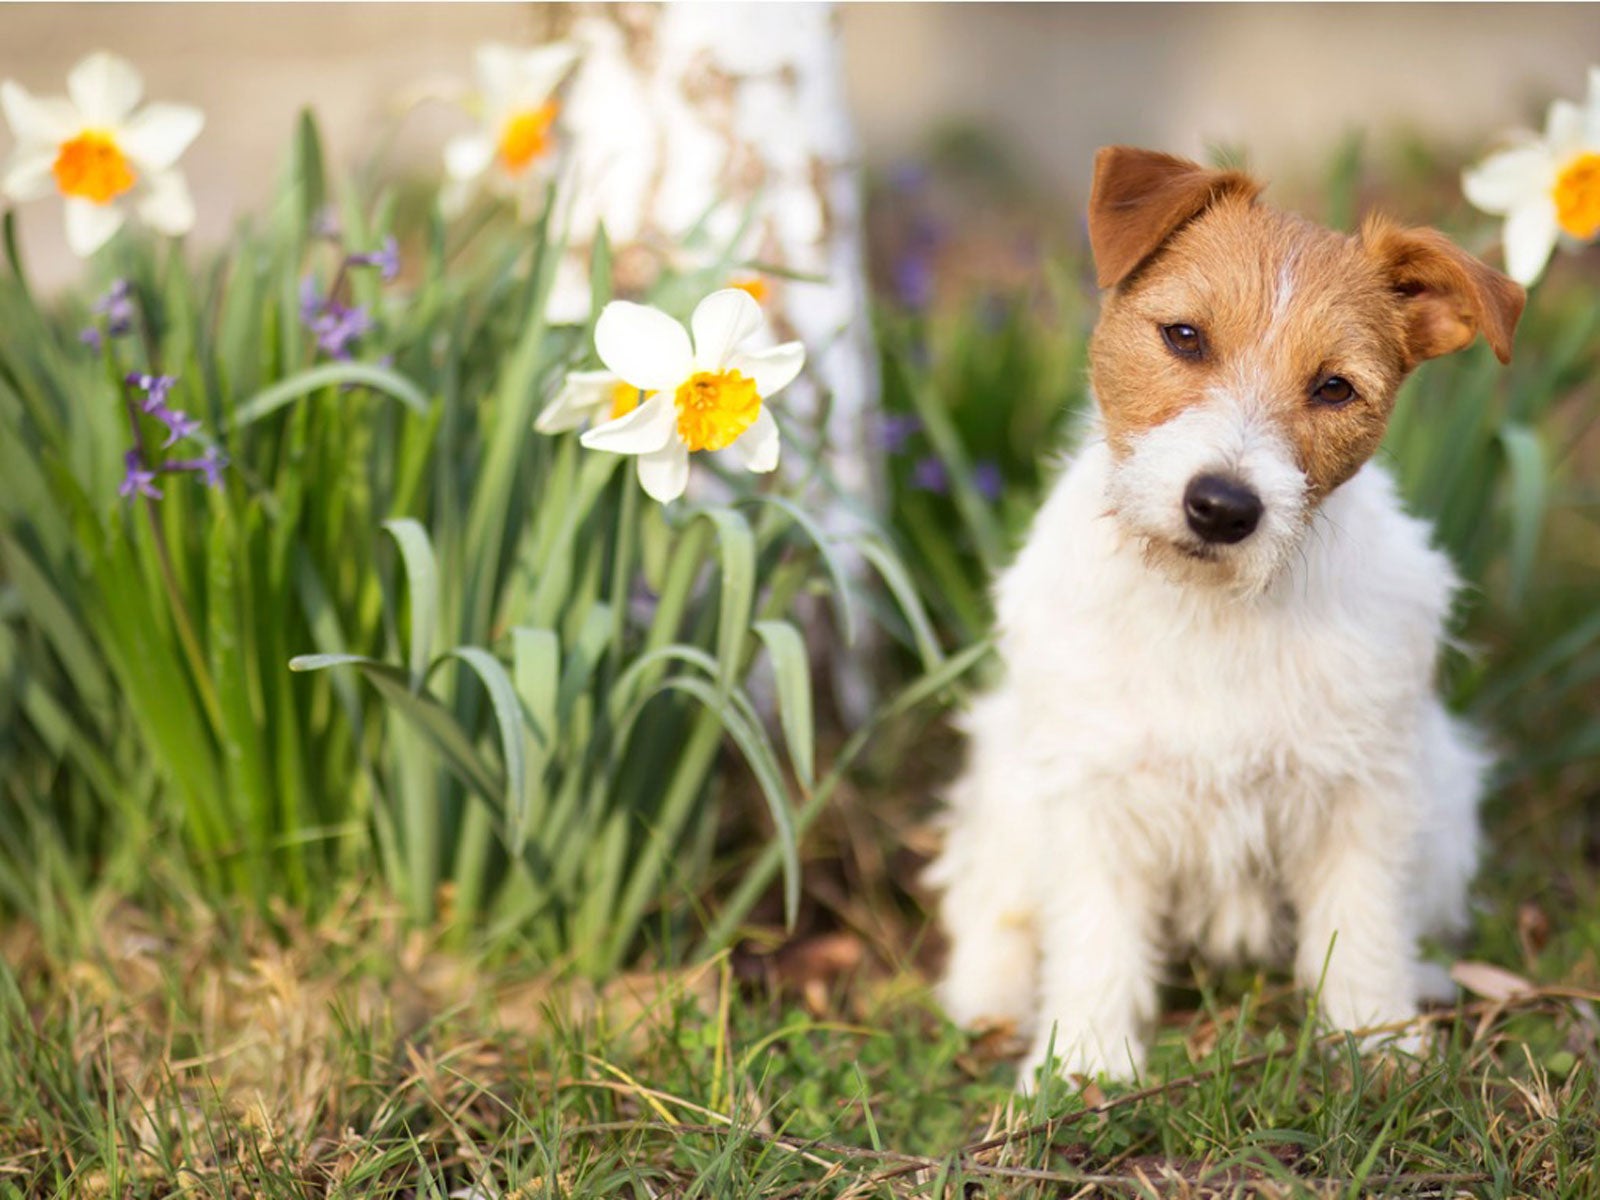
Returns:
(1231, 749)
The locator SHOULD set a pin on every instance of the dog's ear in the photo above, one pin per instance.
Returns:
(1449, 297)
(1141, 197)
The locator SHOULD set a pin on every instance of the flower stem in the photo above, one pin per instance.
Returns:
(169, 577)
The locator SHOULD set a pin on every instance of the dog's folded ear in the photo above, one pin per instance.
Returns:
(1140, 198)
(1449, 296)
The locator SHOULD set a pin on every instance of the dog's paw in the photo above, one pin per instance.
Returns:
(1078, 1060)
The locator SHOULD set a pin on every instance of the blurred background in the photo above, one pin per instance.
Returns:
(1041, 85)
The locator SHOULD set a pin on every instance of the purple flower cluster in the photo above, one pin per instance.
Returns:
(386, 258)
(139, 475)
(116, 307)
(336, 326)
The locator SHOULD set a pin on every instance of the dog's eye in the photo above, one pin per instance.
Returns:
(1183, 340)
(1334, 391)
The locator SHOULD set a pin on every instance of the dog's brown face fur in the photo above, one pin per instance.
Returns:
(1315, 327)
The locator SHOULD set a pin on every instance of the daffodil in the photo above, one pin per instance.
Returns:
(517, 109)
(708, 394)
(96, 148)
(1544, 187)
(585, 395)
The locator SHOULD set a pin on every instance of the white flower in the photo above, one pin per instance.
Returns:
(583, 396)
(94, 149)
(708, 396)
(516, 108)
(1544, 186)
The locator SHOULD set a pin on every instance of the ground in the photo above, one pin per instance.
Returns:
(186, 1052)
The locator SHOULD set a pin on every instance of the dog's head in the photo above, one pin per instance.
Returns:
(1246, 360)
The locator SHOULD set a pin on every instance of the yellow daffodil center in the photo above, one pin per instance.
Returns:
(625, 398)
(1577, 196)
(526, 135)
(715, 407)
(92, 167)
(753, 285)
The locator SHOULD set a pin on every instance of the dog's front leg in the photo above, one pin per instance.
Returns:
(1354, 941)
(1098, 969)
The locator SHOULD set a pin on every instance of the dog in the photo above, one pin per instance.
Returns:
(1217, 731)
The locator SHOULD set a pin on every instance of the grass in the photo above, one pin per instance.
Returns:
(204, 1053)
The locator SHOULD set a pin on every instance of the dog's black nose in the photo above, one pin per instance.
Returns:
(1221, 509)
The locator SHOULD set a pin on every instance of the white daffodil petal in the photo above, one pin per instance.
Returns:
(540, 71)
(1530, 235)
(1504, 180)
(643, 346)
(757, 448)
(1591, 112)
(37, 120)
(581, 395)
(665, 474)
(645, 430)
(105, 87)
(27, 176)
(157, 136)
(721, 322)
(1563, 129)
(167, 206)
(90, 225)
(773, 370)
(468, 155)
(496, 66)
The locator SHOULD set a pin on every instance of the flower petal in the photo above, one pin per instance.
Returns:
(90, 225)
(645, 430)
(1530, 235)
(580, 397)
(27, 176)
(1504, 180)
(167, 206)
(540, 71)
(644, 346)
(158, 135)
(468, 155)
(1591, 111)
(37, 120)
(665, 474)
(757, 448)
(105, 87)
(721, 322)
(496, 66)
(773, 370)
(1563, 128)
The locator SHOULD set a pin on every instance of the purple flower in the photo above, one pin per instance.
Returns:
(929, 475)
(386, 259)
(179, 424)
(987, 480)
(908, 176)
(310, 300)
(90, 337)
(154, 387)
(895, 430)
(116, 307)
(338, 326)
(913, 281)
(210, 464)
(136, 479)
(335, 325)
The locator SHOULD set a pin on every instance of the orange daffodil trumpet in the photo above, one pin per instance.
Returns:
(1544, 187)
(97, 149)
(516, 108)
(710, 394)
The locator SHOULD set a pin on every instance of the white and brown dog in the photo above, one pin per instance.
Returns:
(1218, 730)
